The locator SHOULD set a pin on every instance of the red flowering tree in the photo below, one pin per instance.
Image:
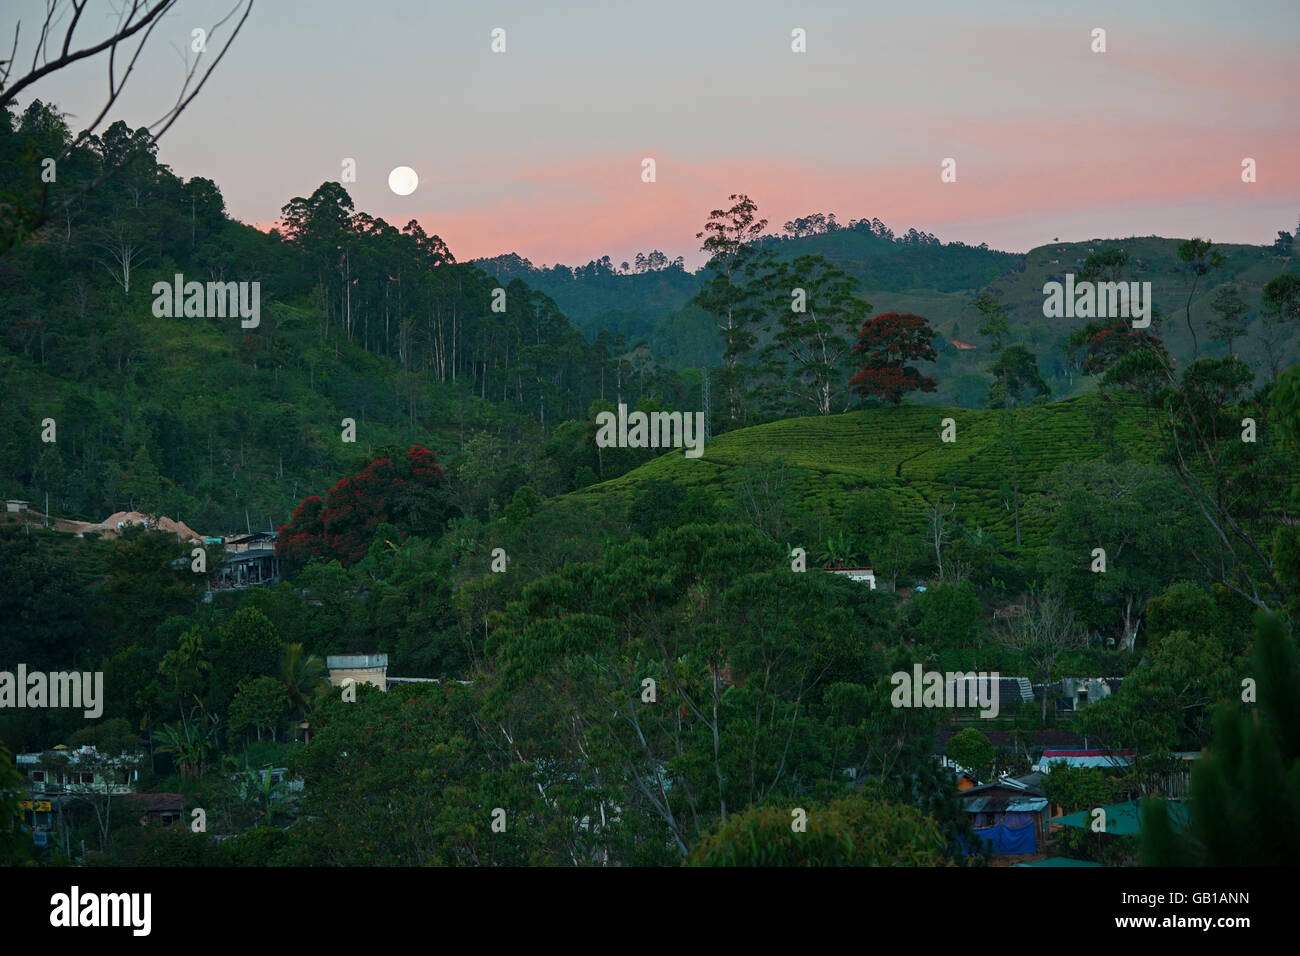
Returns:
(887, 343)
(303, 537)
(342, 525)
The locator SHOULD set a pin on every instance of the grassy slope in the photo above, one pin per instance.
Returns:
(838, 456)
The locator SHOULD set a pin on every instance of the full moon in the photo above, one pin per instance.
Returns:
(403, 180)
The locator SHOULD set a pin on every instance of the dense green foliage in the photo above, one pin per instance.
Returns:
(1246, 792)
(850, 831)
(629, 656)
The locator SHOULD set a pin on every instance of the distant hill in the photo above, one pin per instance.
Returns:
(936, 280)
(1151, 259)
(654, 305)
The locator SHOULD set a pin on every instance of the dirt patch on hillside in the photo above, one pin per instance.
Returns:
(113, 525)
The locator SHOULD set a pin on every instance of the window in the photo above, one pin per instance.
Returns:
(86, 777)
(38, 776)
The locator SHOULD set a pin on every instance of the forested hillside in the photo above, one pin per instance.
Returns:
(227, 426)
(650, 301)
(637, 655)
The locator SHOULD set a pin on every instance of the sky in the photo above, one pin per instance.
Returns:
(538, 149)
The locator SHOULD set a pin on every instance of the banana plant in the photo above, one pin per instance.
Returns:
(191, 742)
(839, 551)
(262, 790)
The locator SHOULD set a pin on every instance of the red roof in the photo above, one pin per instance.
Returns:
(1086, 753)
(155, 802)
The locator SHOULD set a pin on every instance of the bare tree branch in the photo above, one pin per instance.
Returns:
(128, 26)
(7, 93)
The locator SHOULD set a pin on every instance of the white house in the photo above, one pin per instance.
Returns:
(857, 574)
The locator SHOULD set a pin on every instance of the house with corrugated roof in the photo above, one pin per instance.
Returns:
(1113, 759)
(250, 561)
(1010, 814)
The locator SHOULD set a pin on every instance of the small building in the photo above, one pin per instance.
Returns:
(1070, 694)
(257, 541)
(250, 561)
(961, 346)
(249, 569)
(1176, 784)
(373, 669)
(13, 506)
(975, 690)
(155, 808)
(1010, 814)
(1116, 759)
(359, 669)
(856, 574)
(64, 771)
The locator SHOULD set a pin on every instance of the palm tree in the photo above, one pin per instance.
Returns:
(303, 676)
(186, 664)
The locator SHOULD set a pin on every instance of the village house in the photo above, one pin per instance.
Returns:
(1070, 694)
(60, 771)
(1008, 746)
(1174, 784)
(856, 574)
(250, 561)
(1010, 814)
(1107, 759)
(1011, 691)
(369, 669)
(60, 776)
(160, 809)
(358, 669)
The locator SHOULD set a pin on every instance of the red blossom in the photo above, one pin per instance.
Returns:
(886, 343)
(342, 525)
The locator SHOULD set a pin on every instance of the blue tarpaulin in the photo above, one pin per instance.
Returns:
(1005, 838)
